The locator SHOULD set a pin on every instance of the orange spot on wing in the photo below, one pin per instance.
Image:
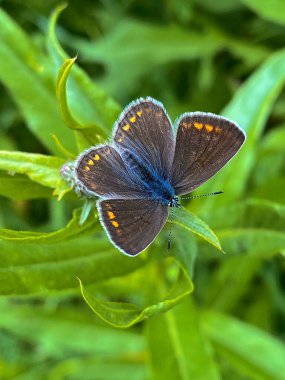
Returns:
(96, 157)
(218, 130)
(126, 127)
(87, 168)
(139, 113)
(90, 162)
(115, 224)
(111, 215)
(185, 125)
(209, 127)
(198, 125)
(133, 119)
(120, 139)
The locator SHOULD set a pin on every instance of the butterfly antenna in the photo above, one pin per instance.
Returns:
(170, 229)
(203, 195)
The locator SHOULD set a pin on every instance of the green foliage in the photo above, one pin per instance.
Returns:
(71, 305)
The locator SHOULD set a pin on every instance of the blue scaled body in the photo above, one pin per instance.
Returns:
(157, 188)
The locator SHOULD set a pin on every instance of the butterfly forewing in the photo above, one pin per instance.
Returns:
(204, 144)
(144, 129)
(132, 224)
(102, 172)
(139, 175)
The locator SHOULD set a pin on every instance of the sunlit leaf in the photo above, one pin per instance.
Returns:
(191, 222)
(119, 314)
(273, 10)
(73, 228)
(45, 170)
(39, 268)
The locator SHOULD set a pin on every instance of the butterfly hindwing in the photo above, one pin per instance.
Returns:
(132, 224)
(204, 144)
(144, 169)
(144, 128)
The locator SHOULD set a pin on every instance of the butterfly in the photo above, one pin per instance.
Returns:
(148, 164)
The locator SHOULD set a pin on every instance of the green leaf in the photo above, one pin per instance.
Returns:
(24, 71)
(124, 315)
(61, 94)
(255, 226)
(62, 149)
(89, 134)
(255, 229)
(72, 229)
(231, 280)
(92, 368)
(45, 170)
(191, 222)
(185, 249)
(251, 351)
(273, 10)
(271, 190)
(274, 140)
(178, 348)
(19, 187)
(86, 209)
(255, 98)
(52, 328)
(88, 102)
(28, 269)
(260, 241)
(250, 214)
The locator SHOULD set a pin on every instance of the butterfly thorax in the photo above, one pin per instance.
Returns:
(158, 188)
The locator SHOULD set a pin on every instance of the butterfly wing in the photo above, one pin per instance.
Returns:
(101, 171)
(132, 224)
(204, 144)
(145, 129)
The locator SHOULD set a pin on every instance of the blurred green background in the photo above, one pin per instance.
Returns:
(191, 314)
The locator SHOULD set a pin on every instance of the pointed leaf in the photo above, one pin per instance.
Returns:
(72, 229)
(90, 105)
(124, 315)
(88, 134)
(191, 222)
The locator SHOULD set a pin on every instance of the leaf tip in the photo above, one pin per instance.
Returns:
(80, 283)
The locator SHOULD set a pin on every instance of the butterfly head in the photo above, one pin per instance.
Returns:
(173, 202)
